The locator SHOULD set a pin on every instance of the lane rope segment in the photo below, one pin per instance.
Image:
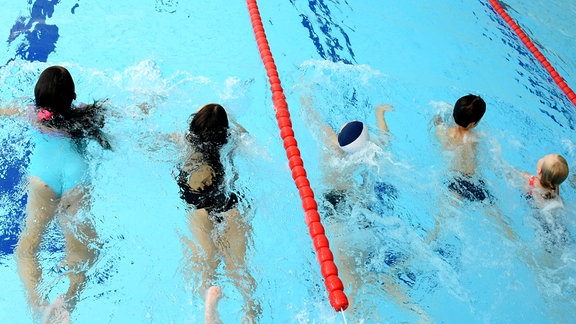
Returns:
(328, 268)
(535, 51)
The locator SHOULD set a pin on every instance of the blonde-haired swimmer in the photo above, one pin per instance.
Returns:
(551, 171)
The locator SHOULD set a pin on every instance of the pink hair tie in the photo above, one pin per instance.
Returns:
(44, 114)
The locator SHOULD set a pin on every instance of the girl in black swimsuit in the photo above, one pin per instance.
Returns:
(220, 231)
(201, 179)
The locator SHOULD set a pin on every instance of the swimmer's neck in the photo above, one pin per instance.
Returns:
(463, 130)
(459, 132)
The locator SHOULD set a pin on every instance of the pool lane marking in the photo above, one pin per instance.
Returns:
(535, 51)
(333, 284)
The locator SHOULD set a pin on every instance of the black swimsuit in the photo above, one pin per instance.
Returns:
(213, 197)
(470, 188)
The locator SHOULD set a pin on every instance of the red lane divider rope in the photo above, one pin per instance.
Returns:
(334, 285)
(532, 48)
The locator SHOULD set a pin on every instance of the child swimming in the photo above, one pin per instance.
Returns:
(551, 171)
(461, 139)
(218, 226)
(59, 184)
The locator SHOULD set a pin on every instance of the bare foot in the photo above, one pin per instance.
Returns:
(56, 313)
(213, 295)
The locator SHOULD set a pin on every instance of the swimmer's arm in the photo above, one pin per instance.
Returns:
(380, 110)
(330, 136)
(525, 175)
(11, 109)
(240, 127)
(512, 175)
(437, 120)
(326, 132)
(174, 138)
(442, 135)
(522, 176)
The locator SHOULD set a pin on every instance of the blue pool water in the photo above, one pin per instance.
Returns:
(348, 56)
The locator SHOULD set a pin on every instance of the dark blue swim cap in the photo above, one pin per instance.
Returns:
(353, 136)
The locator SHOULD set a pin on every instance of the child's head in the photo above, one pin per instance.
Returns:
(209, 125)
(54, 90)
(552, 170)
(468, 111)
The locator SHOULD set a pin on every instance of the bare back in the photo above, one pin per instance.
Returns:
(462, 144)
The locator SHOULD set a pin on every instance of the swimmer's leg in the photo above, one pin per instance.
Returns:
(493, 211)
(433, 233)
(57, 312)
(345, 261)
(81, 242)
(398, 294)
(233, 244)
(211, 315)
(40, 210)
(446, 207)
(204, 254)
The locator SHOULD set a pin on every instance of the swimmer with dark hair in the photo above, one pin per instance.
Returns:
(462, 140)
(220, 230)
(459, 137)
(59, 185)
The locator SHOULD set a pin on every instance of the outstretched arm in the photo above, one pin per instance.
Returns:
(10, 110)
(380, 110)
(326, 132)
(240, 127)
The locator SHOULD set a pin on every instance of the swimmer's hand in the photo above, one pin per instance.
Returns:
(201, 178)
(437, 120)
(381, 109)
(145, 108)
(175, 137)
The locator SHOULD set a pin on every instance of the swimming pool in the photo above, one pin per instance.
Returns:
(349, 56)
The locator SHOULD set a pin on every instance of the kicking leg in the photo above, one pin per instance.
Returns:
(81, 242)
(40, 210)
(233, 242)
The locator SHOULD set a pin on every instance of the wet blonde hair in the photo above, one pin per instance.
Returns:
(554, 173)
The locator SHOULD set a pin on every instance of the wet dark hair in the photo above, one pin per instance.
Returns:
(468, 109)
(209, 128)
(54, 92)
